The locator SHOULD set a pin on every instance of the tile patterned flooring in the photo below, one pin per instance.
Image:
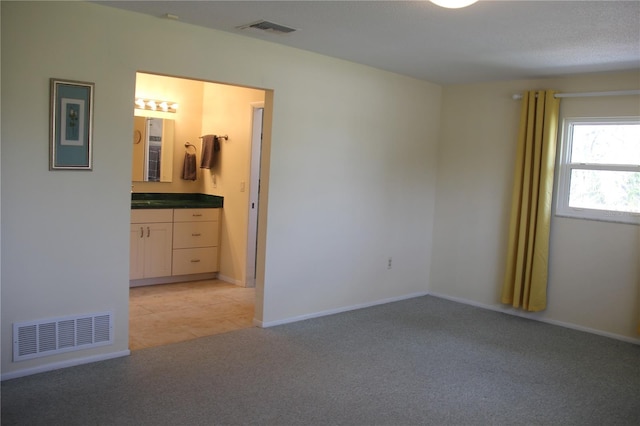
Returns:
(169, 313)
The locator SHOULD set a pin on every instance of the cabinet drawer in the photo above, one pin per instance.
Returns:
(151, 215)
(195, 234)
(196, 215)
(195, 261)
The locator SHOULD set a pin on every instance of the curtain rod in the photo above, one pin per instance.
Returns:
(518, 96)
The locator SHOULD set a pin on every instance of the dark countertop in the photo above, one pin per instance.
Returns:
(157, 200)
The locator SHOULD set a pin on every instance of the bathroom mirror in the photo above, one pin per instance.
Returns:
(152, 149)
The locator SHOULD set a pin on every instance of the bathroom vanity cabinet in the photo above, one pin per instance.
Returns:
(172, 245)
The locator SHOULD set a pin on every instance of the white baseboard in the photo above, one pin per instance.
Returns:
(173, 279)
(230, 280)
(63, 364)
(537, 317)
(266, 324)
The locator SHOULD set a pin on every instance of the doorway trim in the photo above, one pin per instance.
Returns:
(254, 192)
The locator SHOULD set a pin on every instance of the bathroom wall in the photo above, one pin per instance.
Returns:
(189, 95)
(349, 170)
(594, 281)
(227, 110)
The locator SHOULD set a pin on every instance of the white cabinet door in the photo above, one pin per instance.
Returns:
(136, 252)
(157, 248)
(150, 249)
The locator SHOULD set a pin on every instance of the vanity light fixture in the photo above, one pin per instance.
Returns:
(155, 105)
(453, 4)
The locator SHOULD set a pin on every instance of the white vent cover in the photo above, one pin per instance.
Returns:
(271, 27)
(35, 339)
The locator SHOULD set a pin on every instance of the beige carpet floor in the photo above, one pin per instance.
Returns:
(423, 361)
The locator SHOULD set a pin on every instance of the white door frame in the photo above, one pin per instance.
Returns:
(254, 192)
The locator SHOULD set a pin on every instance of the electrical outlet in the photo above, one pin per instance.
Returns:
(389, 263)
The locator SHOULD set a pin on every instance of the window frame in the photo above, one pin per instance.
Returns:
(565, 167)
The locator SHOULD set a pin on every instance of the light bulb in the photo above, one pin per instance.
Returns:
(453, 4)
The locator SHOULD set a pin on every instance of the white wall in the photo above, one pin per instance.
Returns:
(593, 279)
(351, 176)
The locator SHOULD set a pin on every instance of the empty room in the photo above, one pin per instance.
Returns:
(431, 213)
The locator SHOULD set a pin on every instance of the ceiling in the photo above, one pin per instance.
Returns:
(488, 41)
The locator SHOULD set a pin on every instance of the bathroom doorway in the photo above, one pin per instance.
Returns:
(170, 313)
(221, 109)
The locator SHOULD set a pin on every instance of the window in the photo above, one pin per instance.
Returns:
(599, 175)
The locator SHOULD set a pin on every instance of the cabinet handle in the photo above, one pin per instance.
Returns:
(196, 214)
(148, 231)
(195, 235)
(141, 232)
(195, 260)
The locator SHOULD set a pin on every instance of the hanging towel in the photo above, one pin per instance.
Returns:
(210, 147)
(189, 171)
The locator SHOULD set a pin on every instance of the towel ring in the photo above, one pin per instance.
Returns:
(187, 145)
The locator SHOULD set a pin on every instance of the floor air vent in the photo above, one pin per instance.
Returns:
(34, 339)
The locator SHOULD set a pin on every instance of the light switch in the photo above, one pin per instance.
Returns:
(242, 185)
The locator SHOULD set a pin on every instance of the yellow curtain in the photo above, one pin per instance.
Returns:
(525, 281)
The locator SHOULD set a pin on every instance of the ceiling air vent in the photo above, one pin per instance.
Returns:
(269, 27)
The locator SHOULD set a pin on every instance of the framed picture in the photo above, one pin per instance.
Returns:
(71, 125)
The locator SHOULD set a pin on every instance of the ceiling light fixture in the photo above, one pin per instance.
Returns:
(154, 105)
(453, 4)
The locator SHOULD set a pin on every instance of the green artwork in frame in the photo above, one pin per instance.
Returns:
(71, 125)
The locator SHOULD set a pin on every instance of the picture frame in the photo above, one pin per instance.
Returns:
(71, 125)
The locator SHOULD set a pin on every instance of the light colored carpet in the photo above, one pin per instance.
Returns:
(424, 361)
